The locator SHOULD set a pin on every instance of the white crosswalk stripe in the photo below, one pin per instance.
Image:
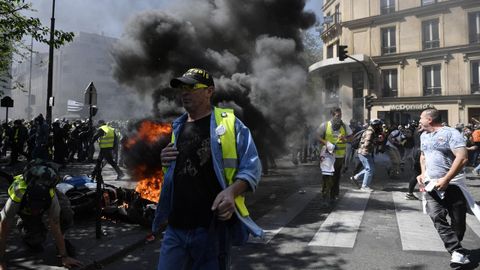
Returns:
(341, 227)
(416, 229)
(281, 215)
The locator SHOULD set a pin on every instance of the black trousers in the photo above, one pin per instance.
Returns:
(331, 183)
(107, 154)
(454, 205)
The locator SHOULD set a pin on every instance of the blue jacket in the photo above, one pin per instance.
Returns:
(249, 170)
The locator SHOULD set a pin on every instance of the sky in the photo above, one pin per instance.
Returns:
(107, 17)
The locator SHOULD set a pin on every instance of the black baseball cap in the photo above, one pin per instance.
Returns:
(193, 77)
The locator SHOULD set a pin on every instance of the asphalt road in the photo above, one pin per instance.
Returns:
(294, 218)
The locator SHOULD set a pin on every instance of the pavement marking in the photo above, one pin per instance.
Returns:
(416, 228)
(341, 227)
(273, 222)
(474, 224)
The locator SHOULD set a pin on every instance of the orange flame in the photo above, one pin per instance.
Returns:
(149, 188)
(149, 132)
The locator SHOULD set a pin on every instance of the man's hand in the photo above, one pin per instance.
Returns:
(70, 262)
(442, 184)
(421, 183)
(3, 266)
(224, 204)
(169, 154)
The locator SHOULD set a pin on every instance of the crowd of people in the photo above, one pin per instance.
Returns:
(63, 141)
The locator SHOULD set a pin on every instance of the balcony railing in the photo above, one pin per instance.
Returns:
(387, 10)
(388, 92)
(474, 38)
(431, 44)
(475, 88)
(389, 50)
(432, 91)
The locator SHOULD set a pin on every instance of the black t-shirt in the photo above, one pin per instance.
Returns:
(195, 182)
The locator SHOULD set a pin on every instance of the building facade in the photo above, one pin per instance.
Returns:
(86, 59)
(409, 54)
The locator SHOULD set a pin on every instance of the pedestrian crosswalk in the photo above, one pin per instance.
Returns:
(343, 223)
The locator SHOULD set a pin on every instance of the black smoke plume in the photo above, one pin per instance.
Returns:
(251, 47)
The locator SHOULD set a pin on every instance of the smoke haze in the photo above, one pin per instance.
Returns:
(252, 48)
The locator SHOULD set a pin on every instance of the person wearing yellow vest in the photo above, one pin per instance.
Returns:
(31, 195)
(334, 134)
(211, 162)
(107, 140)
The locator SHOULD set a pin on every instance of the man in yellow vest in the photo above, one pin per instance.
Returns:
(211, 162)
(107, 140)
(334, 134)
(31, 195)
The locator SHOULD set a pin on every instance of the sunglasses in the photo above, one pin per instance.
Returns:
(192, 87)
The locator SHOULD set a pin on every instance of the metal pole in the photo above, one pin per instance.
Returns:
(6, 117)
(98, 222)
(29, 112)
(50, 65)
(369, 82)
(90, 104)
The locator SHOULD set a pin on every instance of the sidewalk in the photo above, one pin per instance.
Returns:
(118, 237)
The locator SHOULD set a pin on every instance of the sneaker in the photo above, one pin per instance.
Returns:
(459, 259)
(477, 173)
(410, 196)
(354, 181)
(366, 189)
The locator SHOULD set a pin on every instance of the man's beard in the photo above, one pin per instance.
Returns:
(337, 123)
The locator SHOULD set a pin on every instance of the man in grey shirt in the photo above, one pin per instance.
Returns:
(442, 160)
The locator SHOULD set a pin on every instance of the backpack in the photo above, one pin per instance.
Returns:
(357, 138)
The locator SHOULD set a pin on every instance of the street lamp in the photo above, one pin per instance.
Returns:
(50, 66)
(29, 109)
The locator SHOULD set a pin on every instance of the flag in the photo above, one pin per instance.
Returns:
(74, 106)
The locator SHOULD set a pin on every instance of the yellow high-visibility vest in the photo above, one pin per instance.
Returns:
(228, 142)
(107, 140)
(329, 136)
(18, 187)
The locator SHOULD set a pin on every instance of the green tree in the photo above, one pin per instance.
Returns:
(14, 26)
(312, 47)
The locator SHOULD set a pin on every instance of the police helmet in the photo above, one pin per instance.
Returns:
(376, 122)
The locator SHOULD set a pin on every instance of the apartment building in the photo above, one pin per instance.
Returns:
(86, 59)
(409, 54)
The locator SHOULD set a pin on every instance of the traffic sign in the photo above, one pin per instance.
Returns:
(91, 95)
(6, 102)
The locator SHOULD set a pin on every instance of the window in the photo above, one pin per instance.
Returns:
(357, 84)
(428, 2)
(474, 27)
(387, 6)
(430, 34)
(388, 40)
(330, 51)
(337, 18)
(389, 78)
(475, 84)
(331, 85)
(431, 80)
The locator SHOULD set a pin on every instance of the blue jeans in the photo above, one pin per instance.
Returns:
(477, 169)
(194, 249)
(368, 169)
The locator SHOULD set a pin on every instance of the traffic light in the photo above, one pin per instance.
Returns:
(342, 52)
(369, 101)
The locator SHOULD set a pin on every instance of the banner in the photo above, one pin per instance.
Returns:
(74, 106)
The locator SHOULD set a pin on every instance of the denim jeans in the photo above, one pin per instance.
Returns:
(477, 169)
(195, 249)
(368, 169)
